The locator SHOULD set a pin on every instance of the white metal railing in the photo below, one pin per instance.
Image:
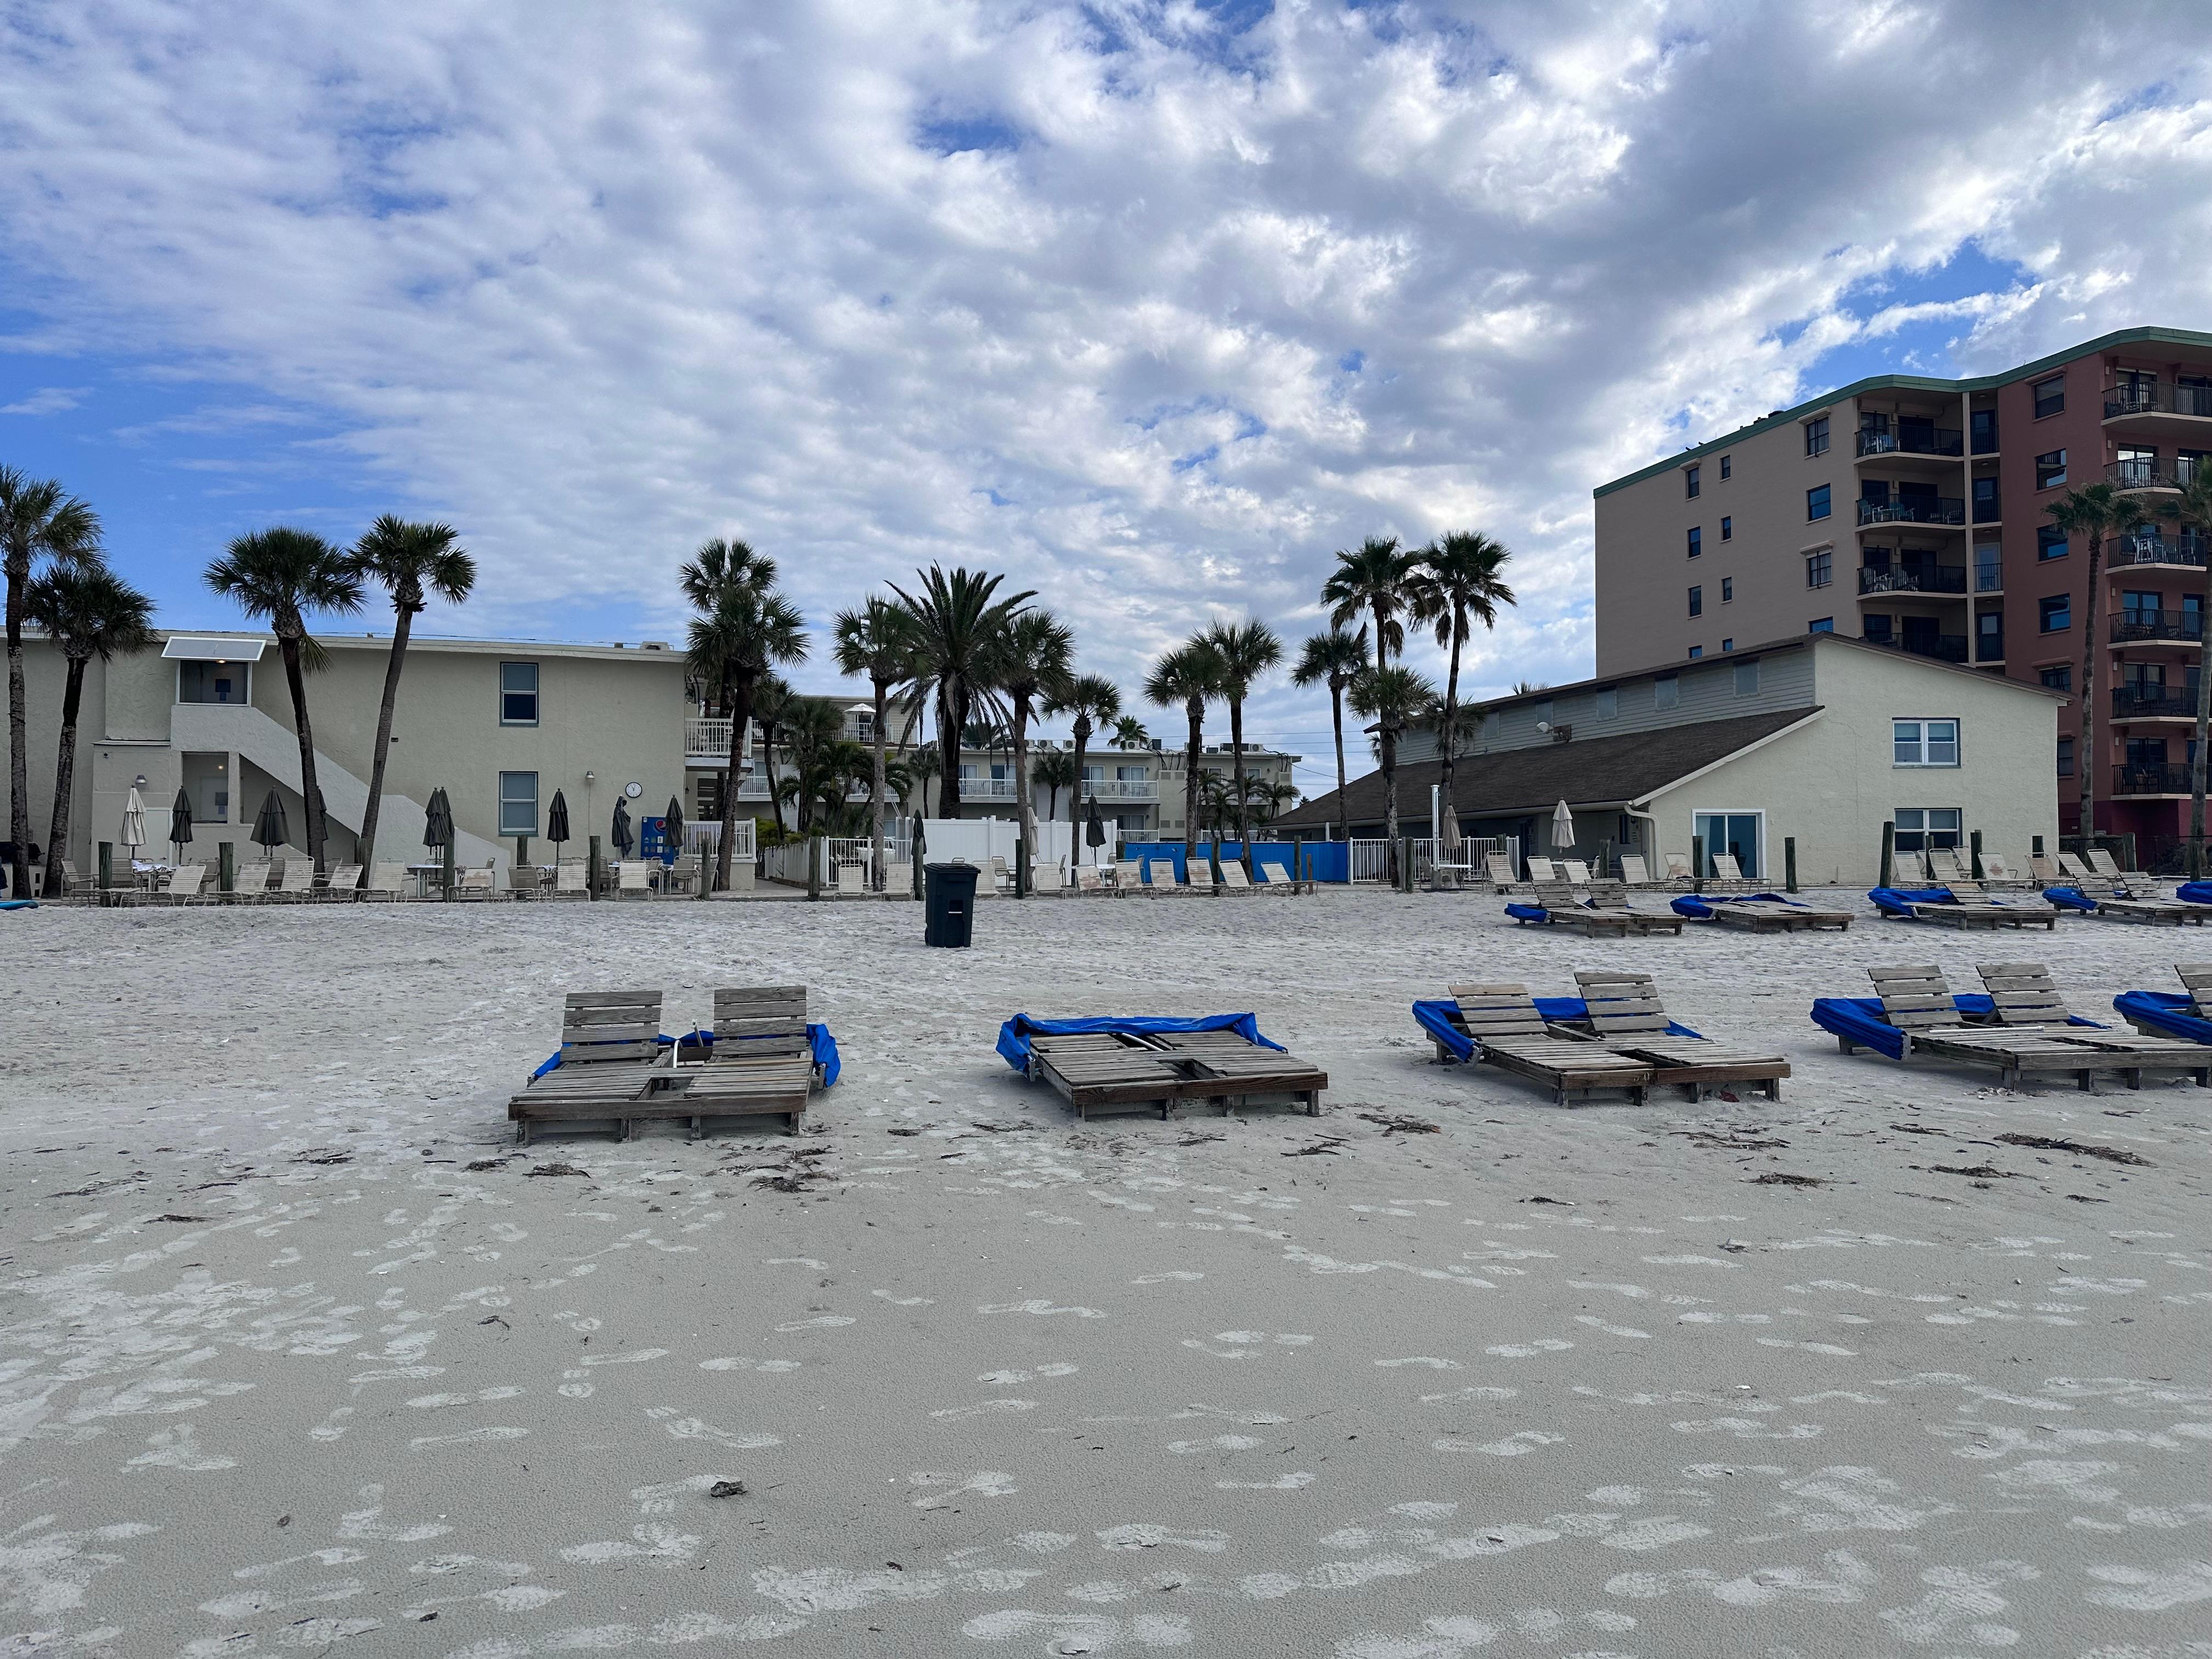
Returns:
(986, 789)
(705, 838)
(1371, 860)
(1120, 789)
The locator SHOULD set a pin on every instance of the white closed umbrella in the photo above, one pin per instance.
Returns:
(134, 822)
(1563, 828)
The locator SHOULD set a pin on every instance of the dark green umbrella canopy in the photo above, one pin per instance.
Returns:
(180, 820)
(269, 827)
(672, 824)
(622, 837)
(1094, 828)
(556, 819)
(438, 821)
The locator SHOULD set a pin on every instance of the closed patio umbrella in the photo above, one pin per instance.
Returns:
(1094, 828)
(134, 821)
(180, 820)
(438, 834)
(623, 839)
(1562, 829)
(671, 824)
(269, 829)
(556, 821)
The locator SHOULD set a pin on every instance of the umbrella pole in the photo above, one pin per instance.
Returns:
(447, 851)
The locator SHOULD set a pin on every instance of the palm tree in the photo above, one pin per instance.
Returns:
(819, 757)
(1129, 733)
(1454, 583)
(89, 611)
(1093, 700)
(282, 575)
(1245, 651)
(872, 643)
(1055, 770)
(743, 628)
(413, 562)
(2094, 511)
(1393, 698)
(957, 620)
(2192, 507)
(923, 766)
(1372, 579)
(772, 702)
(1334, 658)
(37, 521)
(1190, 676)
(1029, 661)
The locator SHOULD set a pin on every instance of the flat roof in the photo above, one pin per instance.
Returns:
(1909, 383)
(349, 640)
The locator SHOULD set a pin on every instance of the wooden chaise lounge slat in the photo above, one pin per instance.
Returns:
(1510, 1033)
(1627, 1016)
(1166, 1071)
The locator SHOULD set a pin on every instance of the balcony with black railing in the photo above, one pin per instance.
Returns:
(2133, 627)
(1988, 510)
(2187, 548)
(1913, 441)
(2149, 472)
(1943, 647)
(1912, 579)
(2151, 778)
(1915, 509)
(2152, 702)
(2157, 398)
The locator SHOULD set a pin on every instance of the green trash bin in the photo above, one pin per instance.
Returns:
(952, 905)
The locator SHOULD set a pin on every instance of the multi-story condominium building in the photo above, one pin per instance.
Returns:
(1914, 513)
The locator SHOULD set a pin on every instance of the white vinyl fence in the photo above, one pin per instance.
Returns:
(705, 838)
(1371, 860)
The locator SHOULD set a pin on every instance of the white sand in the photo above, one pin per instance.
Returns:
(278, 1370)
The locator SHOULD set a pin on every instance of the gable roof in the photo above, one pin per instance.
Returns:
(1509, 783)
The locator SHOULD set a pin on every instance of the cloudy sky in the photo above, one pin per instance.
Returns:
(1151, 305)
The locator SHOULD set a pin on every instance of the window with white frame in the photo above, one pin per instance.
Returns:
(1920, 828)
(517, 803)
(1924, 742)
(518, 694)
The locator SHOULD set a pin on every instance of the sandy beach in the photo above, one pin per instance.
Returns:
(300, 1351)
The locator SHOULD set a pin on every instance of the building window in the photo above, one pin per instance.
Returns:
(1696, 540)
(1727, 590)
(1696, 652)
(709, 792)
(1981, 431)
(1726, 470)
(1816, 502)
(1875, 626)
(1697, 601)
(2055, 614)
(1728, 645)
(1608, 703)
(1816, 437)
(518, 696)
(1690, 485)
(2050, 541)
(1819, 569)
(1543, 711)
(215, 681)
(2050, 396)
(517, 803)
(1920, 828)
(1924, 743)
(1728, 529)
(1736, 834)
(1666, 691)
(2065, 758)
(1822, 625)
(2051, 469)
(2060, 678)
(1746, 679)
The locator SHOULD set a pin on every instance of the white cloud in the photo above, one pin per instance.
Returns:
(596, 283)
(47, 400)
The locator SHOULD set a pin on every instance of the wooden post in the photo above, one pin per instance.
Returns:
(1790, 864)
(591, 877)
(225, 867)
(1697, 864)
(914, 858)
(447, 860)
(1021, 865)
(1297, 859)
(1406, 863)
(814, 845)
(1889, 852)
(522, 852)
(1974, 842)
(107, 868)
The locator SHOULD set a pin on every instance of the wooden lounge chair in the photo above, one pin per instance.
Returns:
(1610, 898)
(1974, 910)
(1626, 1015)
(612, 1064)
(386, 881)
(760, 1064)
(2117, 903)
(1764, 916)
(1562, 908)
(1509, 1032)
(1165, 1072)
(2024, 994)
(1918, 1001)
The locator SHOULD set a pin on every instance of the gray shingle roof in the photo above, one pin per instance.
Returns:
(1588, 772)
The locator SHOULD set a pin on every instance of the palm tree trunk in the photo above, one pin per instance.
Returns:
(1336, 719)
(1024, 809)
(1381, 647)
(2195, 760)
(310, 791)
(877, 789)
(19, 737)
(952, 724)
(2086, 766)
(1236, 772)
(64, 773)
(767, 759)
(1390, 784)
(1196, 710)
(1075, 793)
(1450, 830)
(736, 699)
(403, 624)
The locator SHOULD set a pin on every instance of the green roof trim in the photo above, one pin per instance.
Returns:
(1909, 383)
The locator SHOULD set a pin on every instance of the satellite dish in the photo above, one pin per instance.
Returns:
(1543, 725)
